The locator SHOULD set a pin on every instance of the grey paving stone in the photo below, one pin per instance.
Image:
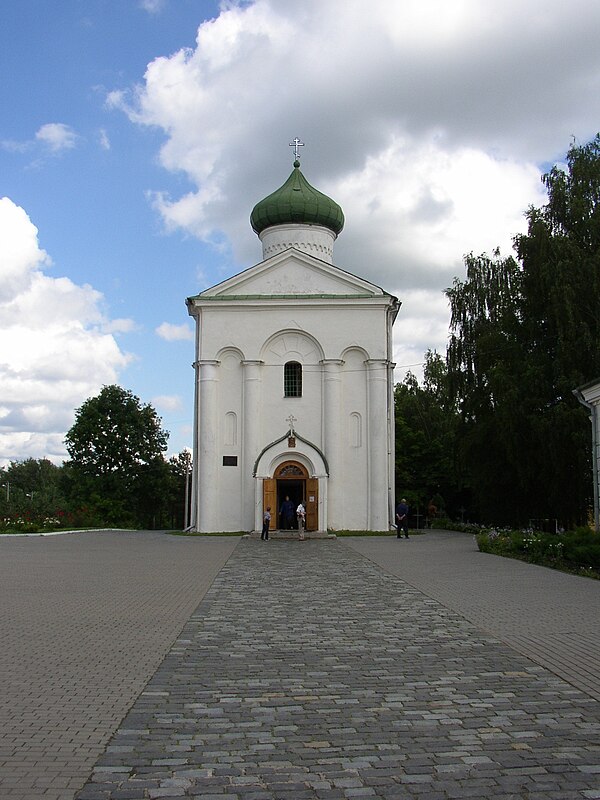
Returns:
(87, 618)
(537, 611)
(300, 666)
(276, 685)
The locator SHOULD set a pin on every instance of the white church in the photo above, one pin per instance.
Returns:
(294, 380)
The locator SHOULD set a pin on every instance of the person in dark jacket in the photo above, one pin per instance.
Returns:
(402, 518)
(286, 513)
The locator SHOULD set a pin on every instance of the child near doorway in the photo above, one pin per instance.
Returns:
(266, 523)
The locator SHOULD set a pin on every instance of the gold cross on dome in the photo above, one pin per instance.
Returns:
(296, 144)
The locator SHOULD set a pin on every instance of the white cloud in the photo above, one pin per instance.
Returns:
(21, 255)
(427, 120)
(186, 432)
(415, 209)
(167, 402)
(117, 99)
(121, 325)
(103, 139)
(421, 325)
(54, 352)
(174, 333)
(153, 6)
(13, 146)
(57, 136)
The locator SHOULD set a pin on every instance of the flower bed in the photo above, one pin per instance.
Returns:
(577, 552)
(28, 522)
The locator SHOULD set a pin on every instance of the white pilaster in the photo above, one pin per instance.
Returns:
(251, 417)
(208, 386)
(377, 389)
(391, 442)
(333, 436)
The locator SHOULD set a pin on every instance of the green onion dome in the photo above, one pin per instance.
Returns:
(297, 202)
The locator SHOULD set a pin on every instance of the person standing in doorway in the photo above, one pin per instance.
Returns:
(287, 514)
(266, 523)
(301, 515)
(402, 518)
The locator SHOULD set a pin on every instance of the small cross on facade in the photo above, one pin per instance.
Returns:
(291, 419)
(296, 144)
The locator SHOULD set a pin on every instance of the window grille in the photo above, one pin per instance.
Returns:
(292, 379)
(290, 470)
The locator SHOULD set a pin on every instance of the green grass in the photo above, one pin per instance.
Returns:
(337, 533)
(42, 531)
(378, 533)
(212, 533)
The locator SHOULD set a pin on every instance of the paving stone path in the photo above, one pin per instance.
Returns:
(308, 671)
(552, 617)
(85, 620)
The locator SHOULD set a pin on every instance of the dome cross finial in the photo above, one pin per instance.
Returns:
(296, 144)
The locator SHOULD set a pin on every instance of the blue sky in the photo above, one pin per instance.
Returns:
(137, 136)
(88, 201)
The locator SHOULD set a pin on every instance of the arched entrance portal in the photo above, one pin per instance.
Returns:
(291, 480)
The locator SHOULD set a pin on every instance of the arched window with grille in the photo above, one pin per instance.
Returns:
(292, 379)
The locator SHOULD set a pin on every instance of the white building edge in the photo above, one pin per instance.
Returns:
(589, 396)
(294, 380)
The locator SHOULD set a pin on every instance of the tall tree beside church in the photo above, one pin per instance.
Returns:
(116, 446)
(525, 333)
(426, 466)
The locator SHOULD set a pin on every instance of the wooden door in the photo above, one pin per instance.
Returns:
(270, 499)
(312, 504)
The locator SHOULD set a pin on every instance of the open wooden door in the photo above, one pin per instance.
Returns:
(270, 499)
(312, 504)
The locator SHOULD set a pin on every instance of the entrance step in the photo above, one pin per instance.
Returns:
(292, 535)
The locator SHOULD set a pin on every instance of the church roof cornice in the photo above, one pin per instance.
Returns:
(254, 282)
(275, 297)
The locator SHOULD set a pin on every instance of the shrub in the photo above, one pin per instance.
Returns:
(574, 551)
(443, 523)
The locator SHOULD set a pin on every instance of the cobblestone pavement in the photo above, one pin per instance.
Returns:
(86, 620)
(549, 616)
(308, 671)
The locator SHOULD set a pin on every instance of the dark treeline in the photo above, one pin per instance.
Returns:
(510, 439)
(116, 475)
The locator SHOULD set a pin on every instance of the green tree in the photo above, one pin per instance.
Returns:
(180, 469)
(426, 421)
(31, 485)
(525, 333)
(116, 446)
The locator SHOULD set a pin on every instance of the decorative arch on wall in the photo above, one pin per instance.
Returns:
(355, 429)
(305, 453)
(351, 349)
(290, 469)
(229, 353)
(301, 460)
(230, 437)
(291, 344)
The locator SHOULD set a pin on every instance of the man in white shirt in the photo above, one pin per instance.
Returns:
(301, 515)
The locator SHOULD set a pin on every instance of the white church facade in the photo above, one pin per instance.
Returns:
(294, 380)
